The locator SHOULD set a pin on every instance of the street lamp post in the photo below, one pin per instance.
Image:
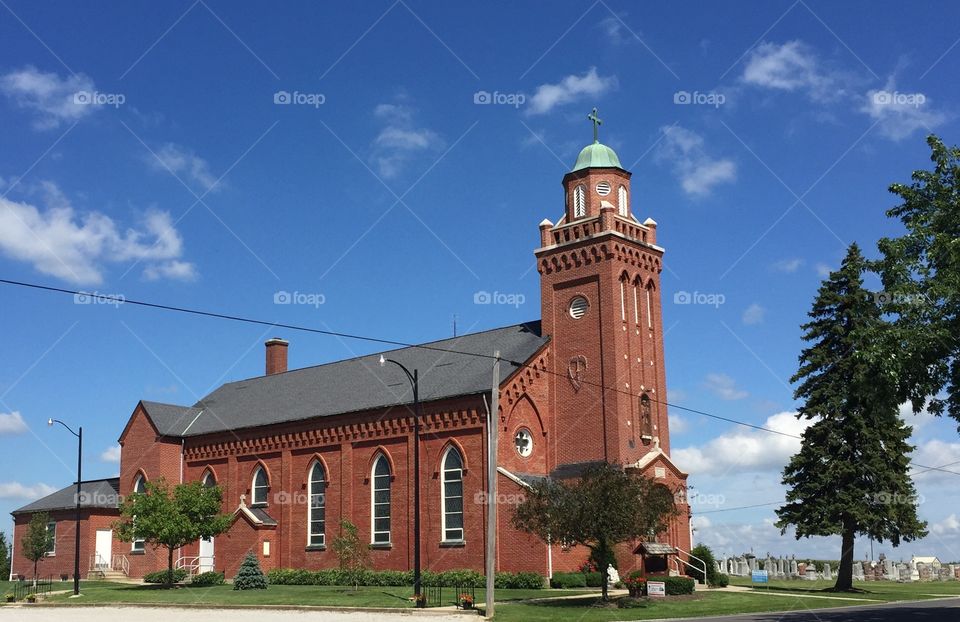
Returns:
(76, 554)
(415, 383)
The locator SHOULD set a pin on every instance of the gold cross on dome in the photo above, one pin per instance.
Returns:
(597, 122)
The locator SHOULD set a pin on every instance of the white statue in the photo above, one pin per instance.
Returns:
(613, 577)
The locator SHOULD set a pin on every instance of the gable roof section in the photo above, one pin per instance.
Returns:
(645, 462)
(98, 493)
(353, 385)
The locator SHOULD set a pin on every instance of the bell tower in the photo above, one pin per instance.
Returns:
(600, 295)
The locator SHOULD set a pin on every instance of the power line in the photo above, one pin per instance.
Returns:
(392, 342)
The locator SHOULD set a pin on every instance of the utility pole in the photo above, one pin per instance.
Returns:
(493, 427)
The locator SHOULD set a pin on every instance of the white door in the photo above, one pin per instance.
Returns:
(104, 549)
(206, 555)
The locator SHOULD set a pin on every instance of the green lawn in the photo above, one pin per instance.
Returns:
(309, 595)
(870, 590)
(783, 596)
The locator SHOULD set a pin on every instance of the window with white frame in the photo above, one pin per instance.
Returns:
(51, 538)
(139, 485)
(380, 500)
(580, 201)
(452, 494)
(260, 486)
(316, 511)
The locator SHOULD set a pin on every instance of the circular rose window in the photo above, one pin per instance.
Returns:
(523, 441)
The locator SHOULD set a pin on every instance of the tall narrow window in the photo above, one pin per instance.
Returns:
(316, 519)
(208, 481)
(636, 308)
(622, 201)
(580, 201)
(51, 538)
(260, 487)
(649, 315)
(623, 304)
(139, 485)
(452, 494)
(381, 501)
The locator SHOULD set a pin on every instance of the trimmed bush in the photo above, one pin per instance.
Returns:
(206, 579)
(250, 576)
(594, 579)
(518, 581)
(678, 586)
(566, 580)
(179, 574)
(721, 580)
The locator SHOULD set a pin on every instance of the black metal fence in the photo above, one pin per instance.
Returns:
(460, 596)
(26, 587)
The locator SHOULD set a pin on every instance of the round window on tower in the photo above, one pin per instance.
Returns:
(523, 441)
(578, 307)
(603, 188)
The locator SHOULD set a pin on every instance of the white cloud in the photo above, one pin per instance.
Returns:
(745, 449)
(788, 265)
(111, 454)
(47, 94)
(724, 387)
(823, 270)
(754, 314)
(700, 522)
(183, 162)
(12, 423)
(678, 425)
(899, 115)
(676, 395)
(59, 241)
(792, 66)
(16, 490)
(698, 172)
(950, 524)
(935, 453)
(175, 269)
(400, 139)
(570, 89)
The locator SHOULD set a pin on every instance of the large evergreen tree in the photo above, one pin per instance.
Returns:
(4, 557)
(606, 506)
(850, 477)
(921, 276)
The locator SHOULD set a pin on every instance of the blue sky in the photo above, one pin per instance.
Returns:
(385, 162)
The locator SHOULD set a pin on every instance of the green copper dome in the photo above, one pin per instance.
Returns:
(597, 155)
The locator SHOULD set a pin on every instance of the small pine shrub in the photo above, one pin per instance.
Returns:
(206, 579)
(594, 579)
(250, 576)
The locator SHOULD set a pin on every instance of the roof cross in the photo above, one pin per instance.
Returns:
(597, 122)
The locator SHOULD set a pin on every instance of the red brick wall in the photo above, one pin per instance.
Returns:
(62, 561)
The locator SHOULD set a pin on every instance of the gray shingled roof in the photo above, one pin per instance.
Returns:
(99, 493)
(352, 385)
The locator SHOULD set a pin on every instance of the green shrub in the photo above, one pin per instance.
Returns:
(518, 581)
(566, 580)
(678, 586)
(703, 552)
(594, 579)
(179, 574)
(721, 580)
(250, 576)
(205, 579)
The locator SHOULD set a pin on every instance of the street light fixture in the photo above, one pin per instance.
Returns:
(76, 555)
(414, 379)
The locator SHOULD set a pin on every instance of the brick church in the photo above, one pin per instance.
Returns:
(294, 451)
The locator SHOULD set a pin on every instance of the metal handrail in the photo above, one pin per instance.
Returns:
(121, 563)
(192, 564)
(691, 556)
(98, 563)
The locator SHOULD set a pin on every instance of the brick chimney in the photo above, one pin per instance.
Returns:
(276, 355)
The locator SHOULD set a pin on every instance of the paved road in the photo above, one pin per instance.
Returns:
(926, 611)
(170, 614)
(937, 610)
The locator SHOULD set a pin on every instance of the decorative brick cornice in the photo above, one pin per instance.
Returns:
(589, 252)
(526, 378)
